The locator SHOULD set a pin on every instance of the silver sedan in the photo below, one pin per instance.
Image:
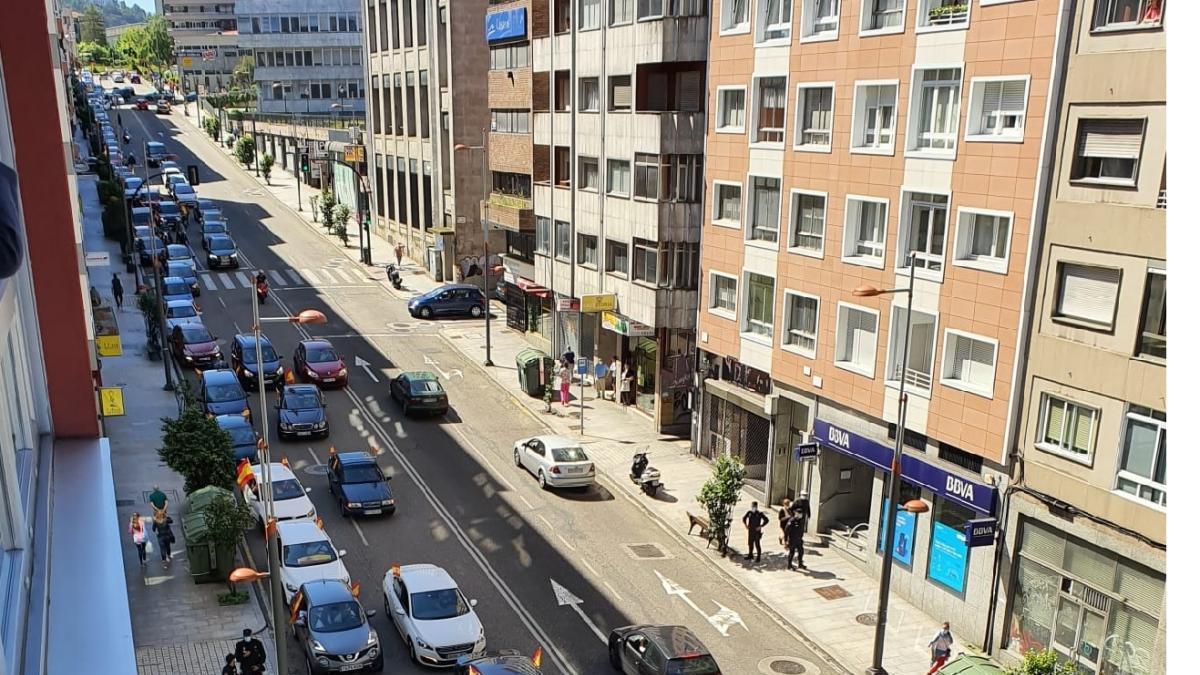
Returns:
(555, 460)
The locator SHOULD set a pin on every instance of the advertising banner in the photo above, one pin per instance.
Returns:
(505, 24)
(948, 557)
(906, 525)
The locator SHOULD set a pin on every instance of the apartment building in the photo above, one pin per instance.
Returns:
(202, 29)
(854, 144)
(307, 55)
(597, 161)
(427, 75)
(1086, 526)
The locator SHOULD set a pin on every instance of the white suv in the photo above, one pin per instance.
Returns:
(437, 622)
(306, 555)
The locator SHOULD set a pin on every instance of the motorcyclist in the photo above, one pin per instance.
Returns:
(260, 285)
(125, 137)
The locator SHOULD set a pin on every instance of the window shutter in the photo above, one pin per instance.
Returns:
(1012, 95)
(1056, 411)
(1043, 544)
(981, 363)
(655, 92)
(1111, 138)
(1083, 428)
(622, 94)
(1093, 566)
(1088, 293)
(689, 86)
(1135, 632)
(1140, 588)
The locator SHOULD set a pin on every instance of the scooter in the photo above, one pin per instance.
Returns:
(261, 289)
(644, 475)
(393, 275)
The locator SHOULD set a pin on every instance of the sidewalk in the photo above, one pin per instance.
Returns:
(178, 626)
(832, 604)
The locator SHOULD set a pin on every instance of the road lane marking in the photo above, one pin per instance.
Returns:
(310, 279)
(343, 274)
(565, 542)
(527, 502)
(294, 277)
(208, 282)
(353, 522)
(546, 521)
(278, 278)
(589, 566)
(222, 301)
(613, 591)
(225, 281)
(244, 279)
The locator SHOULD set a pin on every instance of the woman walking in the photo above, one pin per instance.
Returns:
(564, 383)
(784, 513)
(138, 532)
(162, 529)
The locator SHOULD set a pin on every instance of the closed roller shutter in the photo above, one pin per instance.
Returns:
(1088, 293)
(1111, 138)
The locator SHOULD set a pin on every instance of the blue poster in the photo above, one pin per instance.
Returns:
(948, 557)
(505, 24)
(906, 525)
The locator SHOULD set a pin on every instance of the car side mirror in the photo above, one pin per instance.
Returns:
(342, 553)
(370, 613)
(474, 602)
(307, 490)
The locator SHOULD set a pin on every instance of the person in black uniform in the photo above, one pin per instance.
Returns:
(755, 521)
(251, 655)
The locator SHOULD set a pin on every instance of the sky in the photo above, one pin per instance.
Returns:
(147, 5)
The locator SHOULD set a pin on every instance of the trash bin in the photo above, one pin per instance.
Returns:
(529, 371)
(206, 562)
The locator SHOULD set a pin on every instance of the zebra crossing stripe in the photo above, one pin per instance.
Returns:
(310, 278)
(244, 279)
(344, 274)
(277, 278)
(225, 280)
(332, 279)
(295, 277)
(208, 282)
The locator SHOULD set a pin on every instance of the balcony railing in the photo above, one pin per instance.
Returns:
(1162, 198)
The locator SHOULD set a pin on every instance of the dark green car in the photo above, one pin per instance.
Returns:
(420, 392)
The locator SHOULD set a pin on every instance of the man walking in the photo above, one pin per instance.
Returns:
(939, 648)
(755, 521)
(794, 534)
(159, 500)
(250, 654)
(118, 290)
(568, 358)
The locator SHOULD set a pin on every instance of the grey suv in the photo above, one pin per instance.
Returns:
(333, 630)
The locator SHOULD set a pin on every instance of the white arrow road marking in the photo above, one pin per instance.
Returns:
(432, 362)
(565, 597)
(457, 372)
(722, 620)
(360, 363)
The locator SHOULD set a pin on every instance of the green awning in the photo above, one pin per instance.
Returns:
(970, 664)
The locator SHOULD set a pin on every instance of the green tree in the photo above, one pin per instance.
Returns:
(91, 26)
(1044, 662)
(719, 495)
(243, 74)
(197, 449)
(94, 52)
(158, 44)
(244, 150)
(226, 520)
(327, 204)
(341, 216)
(265, 164)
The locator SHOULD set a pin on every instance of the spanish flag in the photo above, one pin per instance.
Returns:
(537, 658)
(355, 588)
(295, 607)
(289, 377)
(244, 473)
(320, 523)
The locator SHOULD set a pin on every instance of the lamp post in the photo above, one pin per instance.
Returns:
(484, 223)
(912, 506)
(278, 611)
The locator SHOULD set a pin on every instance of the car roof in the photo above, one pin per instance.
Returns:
(180, 303)
(316, 342)
(417, 375)
(248, 339)
(675, 641)
(231, 421)
(299, 530)
(502, 664)
(173, 280)
(279, 471)
(558, 441)
(355, 457)
(299, 388)
(219, 376)
(155, 144)
(426, 577)
(176, 248)
(451, 287)
(327, 592)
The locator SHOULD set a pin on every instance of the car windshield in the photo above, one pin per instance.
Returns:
(214, 227)
(225, 393)
(180, 311)
(321, 355)
(180, 268)
(221, 243)
(268, 352)
(178, 251)
(168, 209)
(212, 215)
(443, 604)
(702, 664)
(300, 400)
(132, 182)
(288, 488)
(572, 454)
(155, 146)
(362, 474)
(242, 435)
(426, 387)
(336, 617)
(177, 288)
(195, 334)
(309, 553)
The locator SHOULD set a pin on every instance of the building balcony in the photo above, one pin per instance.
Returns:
(663, 133)
(265, 75)
(508, 212)
(298, 40)
(671, 39)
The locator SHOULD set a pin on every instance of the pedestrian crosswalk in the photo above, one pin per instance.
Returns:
(317, 277)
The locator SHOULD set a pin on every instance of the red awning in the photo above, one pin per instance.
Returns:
(532, 288)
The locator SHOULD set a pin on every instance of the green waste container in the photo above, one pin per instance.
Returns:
(206, 562)
(530, 365)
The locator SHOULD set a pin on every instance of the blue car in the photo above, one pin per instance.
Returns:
(185, 270)
(245, 441)
(358, 485)
(222, 394)
(301, 412)
(243, 359)
(448, 300)
(175, 288)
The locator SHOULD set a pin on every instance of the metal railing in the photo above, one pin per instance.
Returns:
(1162, 198)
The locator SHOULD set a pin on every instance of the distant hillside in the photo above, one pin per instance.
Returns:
(115, 12)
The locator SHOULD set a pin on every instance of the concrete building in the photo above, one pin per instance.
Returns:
(114, 33)
(307, 55)
(848, 141)
(597, 161)
(427, 67)
(200, 28)
(1086, 523)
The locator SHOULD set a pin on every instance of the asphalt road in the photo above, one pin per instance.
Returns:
(461, 502)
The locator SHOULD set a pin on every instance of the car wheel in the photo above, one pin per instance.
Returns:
(613, 657)
(412, 652)
(476, 311)
(345, 510)
(425, 312)
(542, 480)
(517, 458)
(404, 407)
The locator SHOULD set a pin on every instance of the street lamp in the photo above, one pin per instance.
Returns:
(484, 225)
(272, 533)
(914, 506)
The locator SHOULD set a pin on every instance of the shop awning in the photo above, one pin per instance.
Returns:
(625, 326)
(532, 288)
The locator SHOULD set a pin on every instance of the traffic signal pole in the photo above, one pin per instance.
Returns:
(301, 170)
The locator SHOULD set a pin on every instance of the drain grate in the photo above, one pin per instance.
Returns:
(867, 619)
(645, 551)
(786, 667)
(834, 592)
(125, 502)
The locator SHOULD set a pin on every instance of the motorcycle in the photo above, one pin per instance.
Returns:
(393, 275)
(261, 289)
(643, 475)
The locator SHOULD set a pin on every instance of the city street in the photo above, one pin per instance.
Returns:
(550, 569)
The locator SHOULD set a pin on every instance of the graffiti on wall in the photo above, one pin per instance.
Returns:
(472, 266)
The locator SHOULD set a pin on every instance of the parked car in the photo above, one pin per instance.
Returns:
(316, 361)
(419, 391)
(245, 439)
(214, 227)
(222, 252)
(142, 103)
(168, 212)
(193, 345)
(212, 216)
(634, 650)
(179, 312)
(448, 300)
(150, 247)
(222, 394)
(308, 555)
(186, 196)
(171, 179)
(358, 485)
(175, 288)
(243, 359)
(186, 270)
(555, 460)
(178, 253)
(162, 106)
(117, 76)
(301, 412)
(436, 621)
(291, 498)
(132, 186)
(332, 629)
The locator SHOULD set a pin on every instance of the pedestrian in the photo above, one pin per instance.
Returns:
(614, 376)
(230, 665)
(159, 501)
(939, 648)
(801, 505)
(162, 530)
(399, 251)
(626, 386)
(251, 655)
(564, 383)
(95, 296)
(755, 521)
(118, 290)
(138, 532)
(784, 512)
(568, 357)
(794, 533)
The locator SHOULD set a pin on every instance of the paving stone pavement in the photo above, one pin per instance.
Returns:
(192, 658)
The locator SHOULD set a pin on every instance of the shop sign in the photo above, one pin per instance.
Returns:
(568, 304)
(744, 376)
(354, 153)
(981, 532)
(902, 535)
(112, 401)
(108, 345)
(628, 327)
(804, 451)
(505, 24)
(976, 496)
(948, 557)
(606, 302)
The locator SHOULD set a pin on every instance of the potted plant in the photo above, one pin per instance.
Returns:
(946, 14)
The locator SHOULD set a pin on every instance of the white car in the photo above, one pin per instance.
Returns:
(435, 619)
(307, 555)
(556, 461)
(180, 312)
(168, 173)
(173, 179)
(291, 498)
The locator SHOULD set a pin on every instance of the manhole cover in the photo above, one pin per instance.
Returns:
(787, 665)
(645, 551)
(867, 619)
(834, 592)
(125, 502)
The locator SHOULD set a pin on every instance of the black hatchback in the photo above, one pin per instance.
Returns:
(670, 650)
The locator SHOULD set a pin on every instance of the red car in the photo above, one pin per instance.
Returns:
(143, 104)
(316, 361)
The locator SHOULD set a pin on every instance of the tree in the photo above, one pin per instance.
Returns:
(94, 52)
(341, 216)
(91, 26)
(1044, 662)
(226, 520)
(719, 495)
(265, 164)
(243, 74)
(327, 204)
(244, 150)
(197, 449)
(158, 44)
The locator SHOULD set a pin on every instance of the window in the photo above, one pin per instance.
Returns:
(618, 177)
(620, 11)
(1108, 151)
(562, 16)
(874, 118)
(774, 20)
(764, 209)
(1127, 14)
(562, 90)
(645, 176)
(681, 178)
(620, 93)
(1152, 340)
(865, 231)
(857, 332)
(1066, 427)
(997, 109)
(616, 257)
(969, 363)
(1143, 471)
(562, 240)
(510, 121)
(814, 126)
(922, 341)
(820, 19)
(933, 120)
(589, 94)
(770, 103)
(508, 57)
(542, 241)
(727, 204)
(943, 14)
(731, 110)
(1087, 294)
(882, 16)
(562, 166)
(800, 313)
(949, 555)
(645, 261)
(760, 306)
(923, 232)
(519, 245)
(516, 184)
(722, 294)
(983, 240)
(735, 16)
(589, 174)
(589, 14)
(649, 9)
(808, 223)
(589, 254)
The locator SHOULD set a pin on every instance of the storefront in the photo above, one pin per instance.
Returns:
(526, 302)
(734, 417)
(635, 345)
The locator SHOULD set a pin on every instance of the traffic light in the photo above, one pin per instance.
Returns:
(304, 162)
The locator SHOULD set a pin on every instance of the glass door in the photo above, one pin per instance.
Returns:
(1078, 635)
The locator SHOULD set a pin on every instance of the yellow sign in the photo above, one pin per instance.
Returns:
(187, 62)
(606, 302)
(354, 153)
(108, 345)
(112, 401)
